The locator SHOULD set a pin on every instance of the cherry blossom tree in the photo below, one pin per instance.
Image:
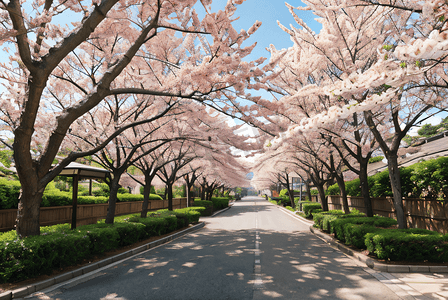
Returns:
(56, 72)
(381, 61)
(128, 147)
(178, 156)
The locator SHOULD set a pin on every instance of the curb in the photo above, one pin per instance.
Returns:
(222, 210)
(368, 261)
(27, 290)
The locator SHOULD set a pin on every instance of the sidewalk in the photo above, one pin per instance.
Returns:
(407, 281)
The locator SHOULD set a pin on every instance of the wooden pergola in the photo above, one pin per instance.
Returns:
(79, 171)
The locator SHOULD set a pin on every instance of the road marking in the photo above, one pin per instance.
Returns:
(258, 281)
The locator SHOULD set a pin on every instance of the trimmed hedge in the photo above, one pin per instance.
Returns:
(59, 246)
(337, 226)
(290, 208)
(133, 197)
(355, 234)
(311, 207)
(37, 255)
(10, 189)
(220, 203)
(155, 226)
(208, 207)
(318, 218)
(408, 244)
(9, 193)
(192, 213)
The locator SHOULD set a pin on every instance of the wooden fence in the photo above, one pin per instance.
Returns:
(420, 213)
(86, 213)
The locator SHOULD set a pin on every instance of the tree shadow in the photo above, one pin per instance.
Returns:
(215, 263)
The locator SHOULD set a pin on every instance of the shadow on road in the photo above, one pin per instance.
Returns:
(220, 262)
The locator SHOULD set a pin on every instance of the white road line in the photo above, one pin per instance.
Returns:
(258, 281)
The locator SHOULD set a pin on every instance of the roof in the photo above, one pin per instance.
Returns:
(428, 150)
(84, 171)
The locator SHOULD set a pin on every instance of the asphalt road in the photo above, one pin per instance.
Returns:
(251, 251)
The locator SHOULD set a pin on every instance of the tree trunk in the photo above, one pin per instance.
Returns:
(363, 178)
(395, 182)
(341, 185)
(169, 193)
(308, 190)
(189, 195)
(146, 192)
(291, 198)
(28, 214)
(114, 186)
(203, 192)
(322, 197)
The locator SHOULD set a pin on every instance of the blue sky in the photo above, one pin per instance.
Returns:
(268, 12)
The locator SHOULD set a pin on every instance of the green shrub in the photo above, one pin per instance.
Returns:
(431, 178)
(152, 190)
(59, 246)
(375, 159)
(192, 213)
(318, 218)
(61, 228)
(103, 190)
(9, 193)
(333, 190)
(408, 245)
(92, 199)
(208, 207)
(272, 201)
(36, 255)
(353, 188)
(220, 203)
(354, 234)
(380, 185)
(196, 208)
(338, 226)
(55, 197)
(203, 203)
(310, 207)
(103, 237)
(182, 218)
(329, 218)
(129, 197)
(290, 208)
(130, 232)
(155, 226)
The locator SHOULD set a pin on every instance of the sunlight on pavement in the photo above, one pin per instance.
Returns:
(113, 296)
(189, 264)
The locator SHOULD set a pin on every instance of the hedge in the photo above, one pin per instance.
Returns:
(192, 213)
(355, 234)
(337, 226)
(420, 180)
(311, 207)
(37, 255)
(408, 245)
(220, 202)
(324, 220)
(208, 205)
(9, 193)
(59, 246)
(10, 189)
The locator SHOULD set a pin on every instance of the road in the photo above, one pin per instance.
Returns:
(251, 251)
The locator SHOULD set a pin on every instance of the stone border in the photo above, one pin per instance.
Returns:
(370, 262)
(27, 290)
